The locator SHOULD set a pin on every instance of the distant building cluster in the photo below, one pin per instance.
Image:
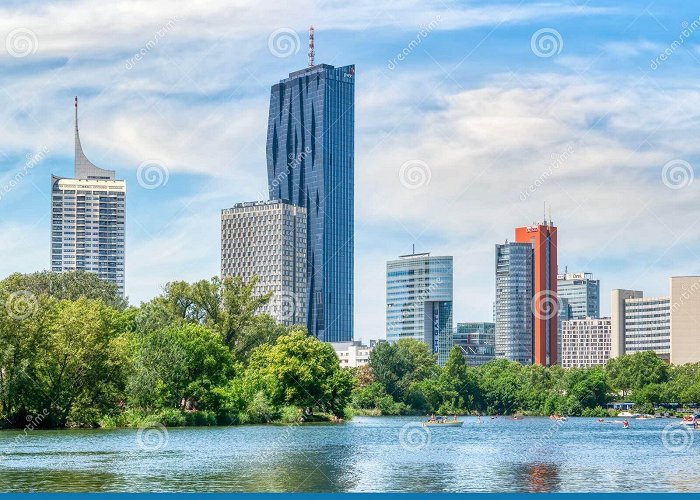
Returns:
(540, 316)
(299, 245)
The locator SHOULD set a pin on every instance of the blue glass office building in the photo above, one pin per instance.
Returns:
(513, 308)
(419, 301)
(310, 162)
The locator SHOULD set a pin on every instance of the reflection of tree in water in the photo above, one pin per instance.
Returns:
(537, 477)
(289, 471)
(39, 480)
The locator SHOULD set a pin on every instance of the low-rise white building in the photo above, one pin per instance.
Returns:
(585, 342)
(352, 354)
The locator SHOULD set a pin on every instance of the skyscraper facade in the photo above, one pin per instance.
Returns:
(582, 293)
(640, 324)
(585, 342)
(310, 163)
(267, 239)
(88, 216)
(543, 239)
(419, 301)
(513, 307)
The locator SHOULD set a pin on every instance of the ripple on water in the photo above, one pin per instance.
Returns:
(366, 454)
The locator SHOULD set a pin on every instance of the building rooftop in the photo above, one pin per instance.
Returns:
(84, 168)
(259, 203)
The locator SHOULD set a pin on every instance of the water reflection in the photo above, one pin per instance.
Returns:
(537, 477)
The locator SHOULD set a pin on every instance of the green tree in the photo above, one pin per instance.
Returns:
(184, 367)
(500, 382)
(76, 372)
(66, 286)
(397, 366)
(227, 306)
(298, 370)
(634, 371)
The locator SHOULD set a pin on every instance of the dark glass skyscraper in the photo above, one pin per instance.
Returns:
(310, 162)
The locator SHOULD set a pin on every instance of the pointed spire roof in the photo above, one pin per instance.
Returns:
(84, 168)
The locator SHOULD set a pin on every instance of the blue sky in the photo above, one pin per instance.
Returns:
(456, 144)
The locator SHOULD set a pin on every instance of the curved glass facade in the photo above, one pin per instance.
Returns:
(419, 301)
(310, 163)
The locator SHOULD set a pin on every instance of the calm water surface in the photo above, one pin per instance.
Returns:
(367, 454)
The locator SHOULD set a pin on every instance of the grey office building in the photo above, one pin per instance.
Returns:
(419, 301)
(267, 239)
(88, 217)
(640, 323)
(310, 163)
(513, 313)
(477, 341)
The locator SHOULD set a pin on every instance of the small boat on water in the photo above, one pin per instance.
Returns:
(627, 414)
(691, 420)
(450, 423)
(558, 417)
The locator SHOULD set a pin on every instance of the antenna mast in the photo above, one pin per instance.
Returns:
(311, 46)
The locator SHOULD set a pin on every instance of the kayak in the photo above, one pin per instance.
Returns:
(446, 424)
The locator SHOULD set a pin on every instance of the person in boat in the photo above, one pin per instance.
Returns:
(454, 418)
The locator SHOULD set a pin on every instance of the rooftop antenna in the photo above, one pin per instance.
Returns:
(414, 249)
(311, 46)
(544, 212)
(550, 215)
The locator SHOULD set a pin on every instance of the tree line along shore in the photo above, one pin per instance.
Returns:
(74, 354)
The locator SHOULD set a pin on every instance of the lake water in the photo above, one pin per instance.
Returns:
(366, 454)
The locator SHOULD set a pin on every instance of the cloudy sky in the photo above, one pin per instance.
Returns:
(470, 116)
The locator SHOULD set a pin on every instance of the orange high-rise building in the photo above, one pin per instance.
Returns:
(543, 237)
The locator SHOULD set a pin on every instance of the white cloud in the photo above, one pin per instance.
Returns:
(484, 146)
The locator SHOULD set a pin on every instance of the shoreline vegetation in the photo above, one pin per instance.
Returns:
(73, 354)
